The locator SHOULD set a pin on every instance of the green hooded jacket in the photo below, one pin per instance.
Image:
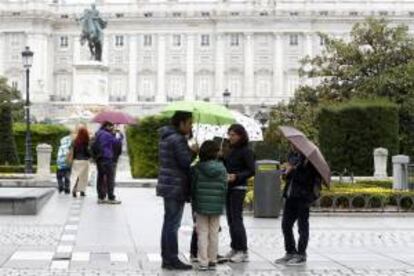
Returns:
(209, 187)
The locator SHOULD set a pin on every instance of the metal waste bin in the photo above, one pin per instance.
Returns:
(267, 194)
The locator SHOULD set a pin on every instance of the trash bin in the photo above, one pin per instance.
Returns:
(267, 195)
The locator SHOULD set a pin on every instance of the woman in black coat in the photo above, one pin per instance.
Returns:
(240, 165)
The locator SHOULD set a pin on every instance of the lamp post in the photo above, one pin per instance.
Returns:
(27, 57)
(262, 116)
(226, 97)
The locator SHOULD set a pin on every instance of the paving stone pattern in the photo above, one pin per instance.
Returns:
(79, 237)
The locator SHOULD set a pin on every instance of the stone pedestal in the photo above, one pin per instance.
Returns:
(400, 172)
(380, 162)
(44, 153)
(90, 83)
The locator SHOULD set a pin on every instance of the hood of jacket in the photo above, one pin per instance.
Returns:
(210, 168)
(167, 131)
(67, 140)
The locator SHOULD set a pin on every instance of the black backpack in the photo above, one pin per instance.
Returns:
(95, 148)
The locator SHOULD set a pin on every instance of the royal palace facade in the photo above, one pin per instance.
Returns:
(157, 51)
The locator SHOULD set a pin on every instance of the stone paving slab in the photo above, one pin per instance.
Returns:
(124, 240)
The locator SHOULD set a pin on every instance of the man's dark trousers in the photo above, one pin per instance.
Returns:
(106, 179)
(173, 213)
(296, 210)
(63, 179)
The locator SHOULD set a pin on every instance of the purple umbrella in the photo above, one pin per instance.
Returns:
(115, 117)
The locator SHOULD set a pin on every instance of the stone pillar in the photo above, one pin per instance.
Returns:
(133, 68)
(278, 85)
(2, 53)
(380, 162)
(190, 68)
(308, 45)
(44, 152)
(248, 66)
(161, 95)
(400, 172)
(219, 67)
(76, 49)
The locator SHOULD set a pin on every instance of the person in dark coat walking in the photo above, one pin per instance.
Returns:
(302, 188)
(175, 157)
(240, 165)
(107, 141)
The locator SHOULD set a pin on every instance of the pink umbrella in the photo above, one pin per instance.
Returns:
(310, 150)
(115, 117)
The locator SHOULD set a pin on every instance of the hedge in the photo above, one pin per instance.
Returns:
(21, 169)
(41, 134)
(142, 141)
(349, 133)
(8, 149)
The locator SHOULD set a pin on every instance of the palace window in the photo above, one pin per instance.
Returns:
(295, 13)
(15, 84)
(353, 13)
(383, 13)
(322, 41)
(119, 41)
(234, 40)
(64, 41)
(205, 40)
(147, 40)
(293, 40)
(234, 13)
(148, 14)
(176, 14)
(205, 14)
(176, 40)
(323, 13)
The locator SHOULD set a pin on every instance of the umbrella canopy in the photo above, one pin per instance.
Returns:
(203, 112)
(309, 150)
(208, 132)
(115, 117)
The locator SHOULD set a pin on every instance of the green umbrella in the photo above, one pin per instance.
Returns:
(203, 112)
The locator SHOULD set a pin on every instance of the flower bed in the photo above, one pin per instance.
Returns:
(362, 196)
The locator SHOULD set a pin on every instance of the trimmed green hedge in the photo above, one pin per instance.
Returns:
(20, 169)
(142, 143)
(41, 133)
(349, 133)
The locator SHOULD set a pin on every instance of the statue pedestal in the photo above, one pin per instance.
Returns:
(90, 83)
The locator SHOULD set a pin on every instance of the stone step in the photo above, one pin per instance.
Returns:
(23, 201)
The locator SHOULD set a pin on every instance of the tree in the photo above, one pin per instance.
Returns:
(378, 61)
(9, 102)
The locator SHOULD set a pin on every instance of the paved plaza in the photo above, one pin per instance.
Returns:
(78, 237)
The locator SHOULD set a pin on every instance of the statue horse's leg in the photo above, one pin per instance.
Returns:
(98, 51)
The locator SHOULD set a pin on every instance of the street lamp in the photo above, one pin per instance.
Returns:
(262, 116)
(226, 97)
(27, 57)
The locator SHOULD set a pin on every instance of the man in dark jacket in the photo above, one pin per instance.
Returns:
(175, 159)
(107, 142)
(302, 185)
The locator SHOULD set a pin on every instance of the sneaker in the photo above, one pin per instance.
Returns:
(202, 267)
(240, 257)
(114, 201)
(82, 194)
(74, 194)
(222, 259)
(67, 192)
(285, 259)
(297, 260)
(101, 201)
(230, 254)
(212, 266)
(193, 258)
(176, 266)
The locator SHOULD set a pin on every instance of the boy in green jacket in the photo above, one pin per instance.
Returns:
(209, 188)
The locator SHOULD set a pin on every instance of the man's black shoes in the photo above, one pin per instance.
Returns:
(178, 265)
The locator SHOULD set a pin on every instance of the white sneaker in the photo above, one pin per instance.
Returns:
(240, 257)
(230, 254)
(298, 260)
